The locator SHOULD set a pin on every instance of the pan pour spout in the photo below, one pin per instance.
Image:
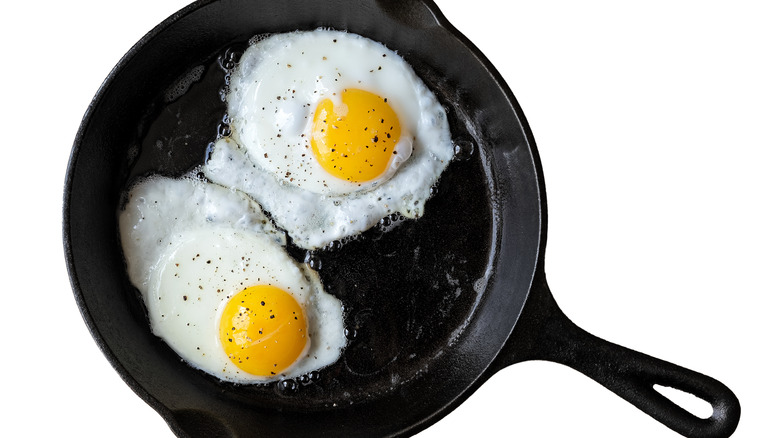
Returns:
(545, 333)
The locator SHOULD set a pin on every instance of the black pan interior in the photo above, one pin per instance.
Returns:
(428, 302)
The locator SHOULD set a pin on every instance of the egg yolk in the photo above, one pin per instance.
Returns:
(355, 140)
(263, 330)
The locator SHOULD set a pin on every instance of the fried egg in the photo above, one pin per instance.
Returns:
(330, 133)
(219, 287)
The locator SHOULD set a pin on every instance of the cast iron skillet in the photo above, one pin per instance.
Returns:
(434, 306)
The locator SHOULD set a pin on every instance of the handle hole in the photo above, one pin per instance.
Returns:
(686, 400)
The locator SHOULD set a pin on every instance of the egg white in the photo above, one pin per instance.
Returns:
(273, 94)
(190, 246)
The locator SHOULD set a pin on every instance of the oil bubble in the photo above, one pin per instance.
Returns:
(463, 149)
(312, 260)
(351, 333)
(286, 387)
(224, 130)
(229, 58)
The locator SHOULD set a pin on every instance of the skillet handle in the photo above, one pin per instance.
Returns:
(545, 333)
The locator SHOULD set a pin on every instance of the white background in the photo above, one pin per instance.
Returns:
(657, 124)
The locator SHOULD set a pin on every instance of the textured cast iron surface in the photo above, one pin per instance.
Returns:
(432, 302)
